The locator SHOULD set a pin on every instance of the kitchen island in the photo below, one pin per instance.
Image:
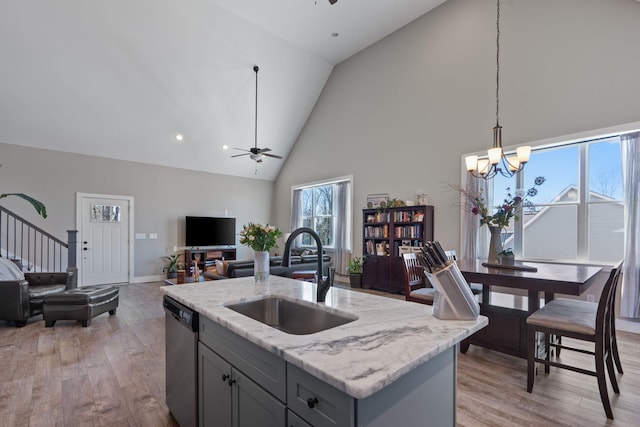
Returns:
(395, 364)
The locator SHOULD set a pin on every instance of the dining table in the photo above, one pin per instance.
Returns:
(507, 330)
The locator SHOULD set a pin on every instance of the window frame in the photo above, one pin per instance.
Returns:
(582, 139)
(314, 216)
(333, 182)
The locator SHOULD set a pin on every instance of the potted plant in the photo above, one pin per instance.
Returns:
(173, 265)
(354, 268)
(260, 238)
(506, 257)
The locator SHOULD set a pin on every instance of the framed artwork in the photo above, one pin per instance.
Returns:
(377, 200)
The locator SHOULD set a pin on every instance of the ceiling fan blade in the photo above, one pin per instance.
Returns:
(239, 155)
(263, 150)
(241, 149)
(272, 155)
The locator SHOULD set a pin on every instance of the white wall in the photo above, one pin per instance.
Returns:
(162, 196)
(399, 115)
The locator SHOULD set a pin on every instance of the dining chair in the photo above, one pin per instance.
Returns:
(417, 289)
(581, 320)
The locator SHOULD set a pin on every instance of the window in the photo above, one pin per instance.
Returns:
(578, 213)
(318, 214)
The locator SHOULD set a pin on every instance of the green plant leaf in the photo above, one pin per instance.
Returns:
(39, 206)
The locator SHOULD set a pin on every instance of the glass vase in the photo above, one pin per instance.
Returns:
(495, 244)
(261, 266)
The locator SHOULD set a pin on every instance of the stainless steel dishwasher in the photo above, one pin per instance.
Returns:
(181, 332)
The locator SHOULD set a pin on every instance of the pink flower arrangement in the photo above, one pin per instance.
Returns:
(475, 203)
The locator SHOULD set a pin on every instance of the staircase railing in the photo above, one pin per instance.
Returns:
(35, 249)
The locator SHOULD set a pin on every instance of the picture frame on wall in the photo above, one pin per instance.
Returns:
(380, 200)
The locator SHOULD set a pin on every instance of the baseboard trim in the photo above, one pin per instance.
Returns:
(145, 279)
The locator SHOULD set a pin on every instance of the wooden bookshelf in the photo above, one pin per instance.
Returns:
(386, 234)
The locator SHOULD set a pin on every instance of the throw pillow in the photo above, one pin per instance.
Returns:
(9, 271)
(221, 267)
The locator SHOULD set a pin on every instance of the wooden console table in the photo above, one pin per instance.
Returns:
(207, 257)
(507, 330)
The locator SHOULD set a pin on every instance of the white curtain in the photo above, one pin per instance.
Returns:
(342, 244)
(630, 301)
(296, 209)
(474, 239)
(296, 215)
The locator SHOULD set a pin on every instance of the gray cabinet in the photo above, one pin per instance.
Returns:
(243, 385)
(214, 397)
(252, 406)
(317, 402)
(230, 399)
(295, 421)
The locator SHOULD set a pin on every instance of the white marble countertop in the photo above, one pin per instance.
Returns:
(390, 338)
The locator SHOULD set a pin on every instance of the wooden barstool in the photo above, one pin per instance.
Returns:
(580, 320)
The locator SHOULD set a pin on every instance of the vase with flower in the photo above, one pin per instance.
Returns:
(498, 221)
(260, 238)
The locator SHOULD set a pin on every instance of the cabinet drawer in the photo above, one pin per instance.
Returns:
(266, 369)
(316, 402)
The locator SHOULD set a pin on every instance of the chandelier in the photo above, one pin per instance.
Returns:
(497, 161)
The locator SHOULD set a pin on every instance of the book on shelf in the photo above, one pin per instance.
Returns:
(370, 248)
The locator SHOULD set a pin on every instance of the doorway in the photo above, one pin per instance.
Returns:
(105, 225)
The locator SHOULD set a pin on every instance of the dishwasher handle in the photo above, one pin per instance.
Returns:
(181, 313)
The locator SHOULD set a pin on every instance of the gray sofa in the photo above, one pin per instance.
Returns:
(306, 260)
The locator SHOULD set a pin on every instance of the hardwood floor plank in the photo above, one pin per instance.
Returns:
(53, 418)
(112, 374)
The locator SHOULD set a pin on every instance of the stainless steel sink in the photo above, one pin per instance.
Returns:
(290, 316)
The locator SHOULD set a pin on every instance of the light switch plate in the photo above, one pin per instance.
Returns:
(141, 236)
(153, 235)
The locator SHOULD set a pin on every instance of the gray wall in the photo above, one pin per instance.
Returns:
(399, 115)
(162, 197)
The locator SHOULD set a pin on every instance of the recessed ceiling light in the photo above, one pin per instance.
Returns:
(179, 137)
(225, 147)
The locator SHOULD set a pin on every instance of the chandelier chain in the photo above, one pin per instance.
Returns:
(498, 66)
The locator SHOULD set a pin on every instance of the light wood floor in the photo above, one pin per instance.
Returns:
(112, 374)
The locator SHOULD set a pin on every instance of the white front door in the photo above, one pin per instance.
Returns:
(104, 239)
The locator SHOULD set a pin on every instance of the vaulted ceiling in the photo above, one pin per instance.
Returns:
(120, 79)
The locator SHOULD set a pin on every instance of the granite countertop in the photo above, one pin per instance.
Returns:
(390, 338)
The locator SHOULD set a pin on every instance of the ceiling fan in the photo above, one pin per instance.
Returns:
(255, 153)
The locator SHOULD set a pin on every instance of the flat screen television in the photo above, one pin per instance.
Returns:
(210, 231)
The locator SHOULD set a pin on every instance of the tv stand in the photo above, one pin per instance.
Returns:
(207, 257)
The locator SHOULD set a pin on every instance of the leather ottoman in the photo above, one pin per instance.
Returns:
(80, 304)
